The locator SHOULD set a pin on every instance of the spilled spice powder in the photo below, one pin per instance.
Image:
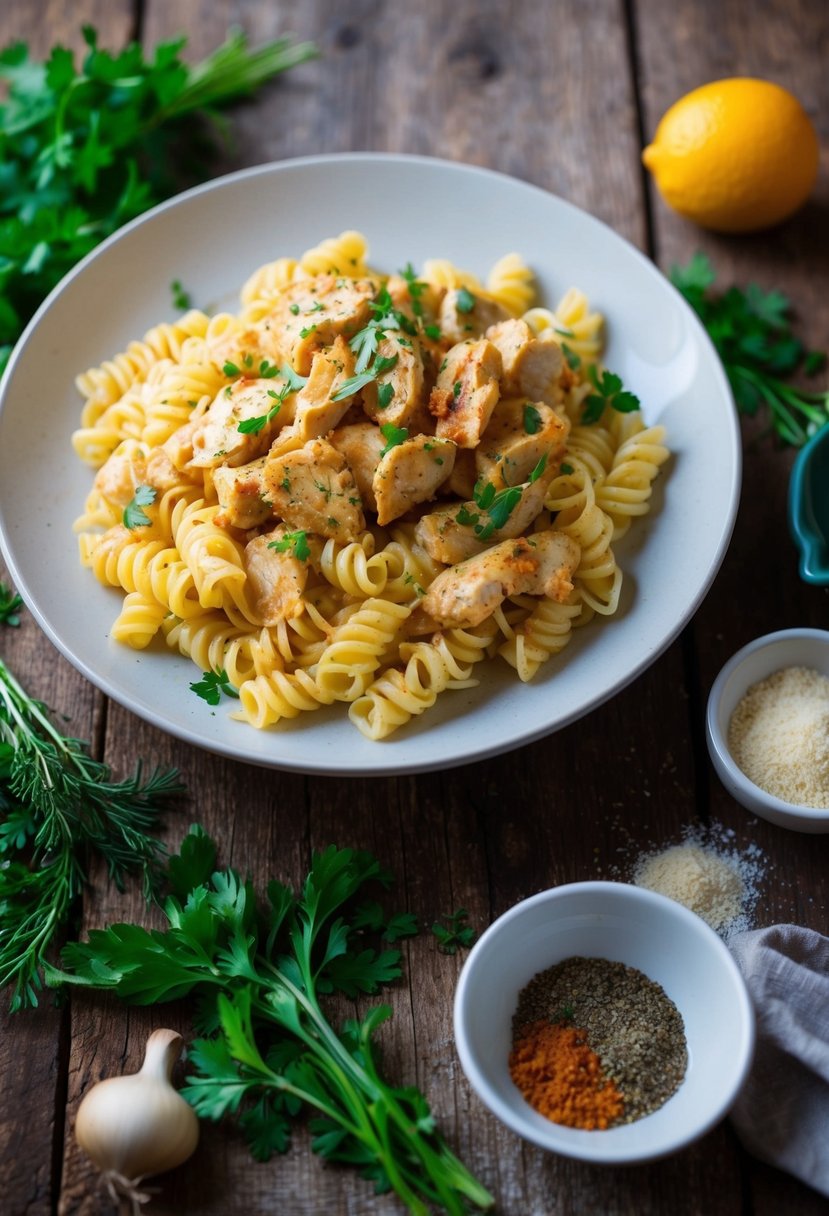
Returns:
(609, 1032)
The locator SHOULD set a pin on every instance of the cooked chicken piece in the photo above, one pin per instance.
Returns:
(466, 392)
(410, 473)
(179, 447)
(403, 405)
(361, 443)
(427, 297)
(541, 564)
(313, 489)
(242, 495)
(464, 474)
(315, 410)
(121, 475)
(277, 577)
(217, 438)
(310, 314)
(532, 365)
(465, 314)
(447, 540)
(519, 434)
(160, 472)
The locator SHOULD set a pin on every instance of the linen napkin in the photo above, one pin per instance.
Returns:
(782, 1112)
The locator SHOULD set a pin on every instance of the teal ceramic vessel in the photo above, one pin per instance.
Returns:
(809, 508)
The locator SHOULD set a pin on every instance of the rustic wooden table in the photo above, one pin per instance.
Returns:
(563, 95)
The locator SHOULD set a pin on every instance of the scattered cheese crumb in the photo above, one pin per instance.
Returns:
(700, 879)
(779, 736)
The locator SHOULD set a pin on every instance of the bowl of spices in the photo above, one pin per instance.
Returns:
(604, 1022)
(768, 728)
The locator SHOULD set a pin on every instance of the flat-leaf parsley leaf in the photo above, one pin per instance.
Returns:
(133, 516)
(211, 686)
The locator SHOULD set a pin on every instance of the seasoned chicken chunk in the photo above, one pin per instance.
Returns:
(310, 314)
(316, 408)
(410, 473)
(448, 535)
(313, 489)
(520, 433)
(466, 392)
(119, 477)
(361, 443)
(277, 577)
(242, 495)
(217, 439)
(532, 365)
(466, 594)
(465, 314)
(396, 395)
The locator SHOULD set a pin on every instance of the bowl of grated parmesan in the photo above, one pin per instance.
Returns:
(767, 727)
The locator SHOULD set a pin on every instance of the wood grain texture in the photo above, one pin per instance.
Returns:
(551, 94)
(34, 1046)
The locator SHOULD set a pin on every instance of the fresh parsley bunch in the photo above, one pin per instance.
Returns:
(261, 970)
(752, 333)
(84, 150)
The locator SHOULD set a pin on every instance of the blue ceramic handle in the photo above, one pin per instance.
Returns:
(809, 508)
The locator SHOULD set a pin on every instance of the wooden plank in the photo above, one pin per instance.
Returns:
(34, 1045)
(758, 589)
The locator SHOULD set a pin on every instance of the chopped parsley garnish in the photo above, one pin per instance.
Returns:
(539, 469)
(393, 435)
(416, 289)
(317, 307)
(566, 468)
(231, 369)
(456, 389)
(352, 385)
(433, 332)
(293, 383)
(573, 360)
(294, 308)
(211, 686)
(384, 363)
(298, 541)
(465, 301)
(134, 517)
(307, 330)
(532, 419)
(181, 298)
(609, 392)
(385, 393)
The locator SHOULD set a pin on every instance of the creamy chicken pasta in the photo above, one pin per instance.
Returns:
(361, 486)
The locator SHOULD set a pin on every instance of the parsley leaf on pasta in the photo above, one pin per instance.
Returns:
(609, 392)
(298, 541)
(134, 517)
(211, 686)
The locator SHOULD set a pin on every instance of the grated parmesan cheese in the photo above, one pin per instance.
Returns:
(779, 736)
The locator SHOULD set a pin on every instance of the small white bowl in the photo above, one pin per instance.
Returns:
(755, 662)
(626, 924)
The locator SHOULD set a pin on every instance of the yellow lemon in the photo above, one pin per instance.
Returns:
(735, 155)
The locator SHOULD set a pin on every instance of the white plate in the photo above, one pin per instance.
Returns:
(210, 239)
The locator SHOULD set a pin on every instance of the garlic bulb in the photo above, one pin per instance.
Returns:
(139, 1124)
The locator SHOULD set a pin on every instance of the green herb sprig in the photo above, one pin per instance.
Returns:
(134, 515)
(608, 393)
(57, 805)
(212, 685)
(752, 332)
(455, 933)
(296, 541)
(10, 605)
(261, 970)
(86, 149)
